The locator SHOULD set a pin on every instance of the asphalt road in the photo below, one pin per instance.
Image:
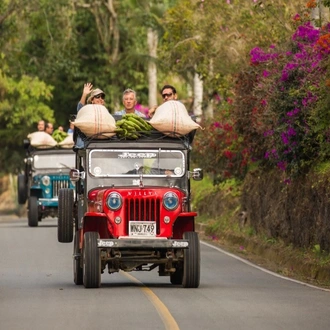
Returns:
(37, 292)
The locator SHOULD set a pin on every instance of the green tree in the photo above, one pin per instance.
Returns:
(22, 104)
(213, 37)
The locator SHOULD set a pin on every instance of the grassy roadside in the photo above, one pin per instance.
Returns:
(221, 223)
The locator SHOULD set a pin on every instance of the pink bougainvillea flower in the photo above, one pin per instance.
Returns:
(266, 73)
(296, 17)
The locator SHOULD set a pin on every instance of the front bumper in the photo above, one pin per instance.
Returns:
(143, 243)
(48, 202)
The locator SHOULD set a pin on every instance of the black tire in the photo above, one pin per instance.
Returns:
(65, 216)
(177, 277)
(21, 189)
(91, 261)
(191, 262)
(77, 269)
(33, 211)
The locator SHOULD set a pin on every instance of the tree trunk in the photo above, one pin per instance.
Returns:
(320, 14)
(198, 97)
(209, 109)
(152, 69)
(210, 102)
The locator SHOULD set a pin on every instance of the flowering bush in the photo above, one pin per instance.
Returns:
(280, 110)
(219, 149)
(286, 100)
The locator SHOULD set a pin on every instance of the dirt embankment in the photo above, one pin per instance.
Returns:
(297, 213)
(7, 194)
(283, 227)
(8, 197)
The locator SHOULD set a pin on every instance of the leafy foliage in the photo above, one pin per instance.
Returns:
(22, 104)
(213, 37)
(287, 112)
(219, 149)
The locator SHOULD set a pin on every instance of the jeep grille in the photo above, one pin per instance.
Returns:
(59, 184)
(144, 209)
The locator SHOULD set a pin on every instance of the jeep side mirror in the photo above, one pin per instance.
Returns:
(26, 143)
(197, 174)
(75, 175)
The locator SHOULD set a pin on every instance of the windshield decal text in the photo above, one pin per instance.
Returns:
(140, 155)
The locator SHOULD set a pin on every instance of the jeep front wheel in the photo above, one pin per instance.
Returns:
(65, 216)
(21, 189)
(91, 261)
(33, 211)
(191, 261)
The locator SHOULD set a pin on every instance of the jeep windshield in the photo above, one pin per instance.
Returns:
(128, 163)
(58, 161)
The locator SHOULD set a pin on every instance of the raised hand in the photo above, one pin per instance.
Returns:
(87, 88)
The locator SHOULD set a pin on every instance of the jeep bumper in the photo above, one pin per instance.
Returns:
(143, 243)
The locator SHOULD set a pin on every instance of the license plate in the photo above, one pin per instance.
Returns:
(142, 228)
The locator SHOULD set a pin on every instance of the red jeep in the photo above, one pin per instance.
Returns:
(131, 209)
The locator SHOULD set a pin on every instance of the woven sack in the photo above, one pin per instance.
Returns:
(172, 119)
(93, 119)
(41, 140)
(68, 142)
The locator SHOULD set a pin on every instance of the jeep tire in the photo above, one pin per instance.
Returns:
(21, 189)
(65, 216)
(33, 211)
(191, 262)
(91, 261)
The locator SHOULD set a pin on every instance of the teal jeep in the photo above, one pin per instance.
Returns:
(46, 172)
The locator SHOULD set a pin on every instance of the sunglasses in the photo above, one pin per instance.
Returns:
(100, 96)
(166, 95)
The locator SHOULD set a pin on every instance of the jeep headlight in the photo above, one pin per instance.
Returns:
(45, 180)
(114, 201)
(170, 201)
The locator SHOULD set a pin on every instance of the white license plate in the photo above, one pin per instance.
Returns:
(142, 228)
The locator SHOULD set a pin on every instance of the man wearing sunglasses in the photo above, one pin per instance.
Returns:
(96, 96)
(168, 93)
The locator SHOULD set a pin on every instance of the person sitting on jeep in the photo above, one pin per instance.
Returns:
(168, 93)
(96, 96)
(41, 125)
(49, 128)
(129, 102)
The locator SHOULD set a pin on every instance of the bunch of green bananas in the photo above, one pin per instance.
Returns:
(59, 136)
(132, 126)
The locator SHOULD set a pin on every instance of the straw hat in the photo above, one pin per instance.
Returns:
(94, 92)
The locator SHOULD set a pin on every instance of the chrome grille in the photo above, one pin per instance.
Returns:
(59, 184)
(143, 209)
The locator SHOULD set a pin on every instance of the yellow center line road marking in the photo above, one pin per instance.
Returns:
(164, 313)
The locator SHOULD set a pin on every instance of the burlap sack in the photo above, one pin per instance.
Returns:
(41, 140)
(172, 119)
(93, 119)
(68, 142)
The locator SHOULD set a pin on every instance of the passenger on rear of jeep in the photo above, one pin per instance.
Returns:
(168, 93)
(129, 102)
(96, 96)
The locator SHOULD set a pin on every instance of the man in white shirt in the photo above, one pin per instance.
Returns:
(129, 102)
